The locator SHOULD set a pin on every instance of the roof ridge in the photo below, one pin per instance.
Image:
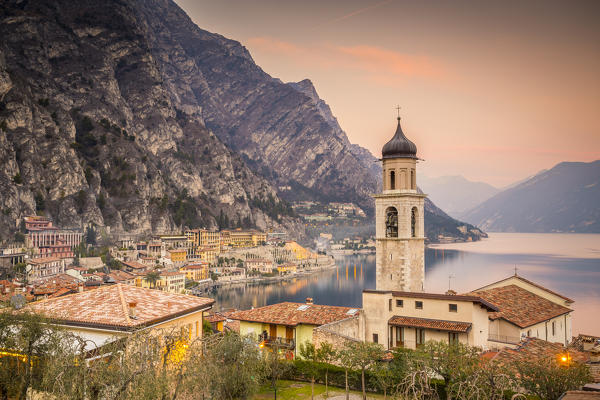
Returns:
(123, 303)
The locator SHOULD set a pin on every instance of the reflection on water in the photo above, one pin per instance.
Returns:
(340, 286)
(463, 270)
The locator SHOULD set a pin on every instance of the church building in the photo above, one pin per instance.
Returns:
(399, 209)
(398, 313)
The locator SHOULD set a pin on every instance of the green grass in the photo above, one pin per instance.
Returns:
(292, 390)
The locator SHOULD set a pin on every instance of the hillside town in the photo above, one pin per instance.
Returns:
(162, 283)
(52, 262)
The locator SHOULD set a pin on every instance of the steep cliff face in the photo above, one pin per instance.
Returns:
(125, 114)
(277, 129)
(100, 122)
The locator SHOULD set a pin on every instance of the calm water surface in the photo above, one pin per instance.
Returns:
(566, 263)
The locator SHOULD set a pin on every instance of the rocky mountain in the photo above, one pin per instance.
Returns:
(456, 194)
(101, 122)
(364, 156)
(125, 114)
(565, 198)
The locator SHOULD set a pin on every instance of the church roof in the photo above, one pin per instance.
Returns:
(519, 306)
(399, 146)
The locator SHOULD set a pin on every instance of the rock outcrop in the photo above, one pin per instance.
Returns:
(100, 122)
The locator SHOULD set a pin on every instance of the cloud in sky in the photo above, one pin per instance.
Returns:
(379, 65)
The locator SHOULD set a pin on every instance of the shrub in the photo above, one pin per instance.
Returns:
(17, 178)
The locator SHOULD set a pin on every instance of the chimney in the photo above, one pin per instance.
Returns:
(131, 309)
(450, 292)
(309, 300)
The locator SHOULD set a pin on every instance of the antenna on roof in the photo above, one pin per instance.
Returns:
(450, 276)
(515, 269)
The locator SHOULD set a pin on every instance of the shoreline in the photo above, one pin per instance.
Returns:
(255, 280)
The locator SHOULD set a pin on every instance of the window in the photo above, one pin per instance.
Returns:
(399, 303)
(390, 305)
(529, 333)
(452, 338)
(452, 307)
(375, 338)
(392, 180)
(413, 222)
(419, 305)
(391, 222)
(420, 336)
(553, 328)
(412, 179)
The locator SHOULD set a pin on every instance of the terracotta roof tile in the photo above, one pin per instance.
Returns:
(532, 284)
(451, 326)
(104, 307)
(532, 349)
(292, 314)
(520, 306)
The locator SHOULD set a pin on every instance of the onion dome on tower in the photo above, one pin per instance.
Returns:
(399, 146)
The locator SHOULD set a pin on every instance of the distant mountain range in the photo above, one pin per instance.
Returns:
(456, 194)
(565, 198)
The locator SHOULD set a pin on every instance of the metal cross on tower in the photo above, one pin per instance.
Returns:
(398, 108)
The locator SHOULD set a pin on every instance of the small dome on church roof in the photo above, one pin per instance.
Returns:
(399, 146)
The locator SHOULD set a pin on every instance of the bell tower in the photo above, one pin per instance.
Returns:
(399, 210)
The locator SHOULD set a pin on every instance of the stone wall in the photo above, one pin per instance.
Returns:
(340, 332)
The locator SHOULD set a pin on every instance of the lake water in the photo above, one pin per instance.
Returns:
(566, 263)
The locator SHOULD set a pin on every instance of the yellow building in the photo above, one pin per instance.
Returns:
(207, 254)
(178, 256)
(288, 268)
(196, 272)
(172, 282)
(114, 311)
(241, 238)
(287, 325)
(300, 252)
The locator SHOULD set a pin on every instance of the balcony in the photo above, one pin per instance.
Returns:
(279, 342)
(503, 339)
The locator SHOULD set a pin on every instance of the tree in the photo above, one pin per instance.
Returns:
(365, 354)
(346, 359)
(31, 344)
(327, 355)
(384, 376)
(152, 277)
(276, 367)
(91, 236)
(549, 378)
(234, 368)
(310, 355)
(453, 362)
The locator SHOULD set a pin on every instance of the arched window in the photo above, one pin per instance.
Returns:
(413, 222)
(391, 222)
(412, 179)
(392, 180)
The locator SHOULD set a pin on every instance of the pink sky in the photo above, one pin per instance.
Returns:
(492, 91)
